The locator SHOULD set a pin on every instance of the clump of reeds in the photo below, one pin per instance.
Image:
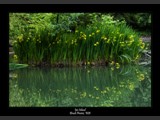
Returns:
(99, 43)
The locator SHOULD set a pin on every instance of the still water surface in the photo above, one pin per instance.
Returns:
(129, 86)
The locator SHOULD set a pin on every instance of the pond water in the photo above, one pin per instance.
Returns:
(128, 86)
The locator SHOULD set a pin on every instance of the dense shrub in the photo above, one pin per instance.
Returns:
(139, 21)
(97, 39)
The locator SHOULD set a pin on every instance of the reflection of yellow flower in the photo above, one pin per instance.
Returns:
(97, 98)
(107, 88)
(103, 92)
(117, 65)
(119, 92)
(58, 90)
(131, 86)
(96, 88)
(112, 68)
(84, 94)
(121, 85)
(93, 97)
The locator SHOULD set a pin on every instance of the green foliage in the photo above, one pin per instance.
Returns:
(139, 21)
(22, 22)
(70, 38)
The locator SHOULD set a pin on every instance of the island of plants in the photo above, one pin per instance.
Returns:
(61, 40)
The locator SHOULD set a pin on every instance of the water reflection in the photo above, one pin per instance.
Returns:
(85, 87)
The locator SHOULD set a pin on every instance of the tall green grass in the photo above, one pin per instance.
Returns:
(100, 42)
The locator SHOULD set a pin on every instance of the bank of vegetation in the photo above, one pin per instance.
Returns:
(77, 39)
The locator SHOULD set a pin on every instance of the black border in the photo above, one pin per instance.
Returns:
(79, 2)
(4, 85)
